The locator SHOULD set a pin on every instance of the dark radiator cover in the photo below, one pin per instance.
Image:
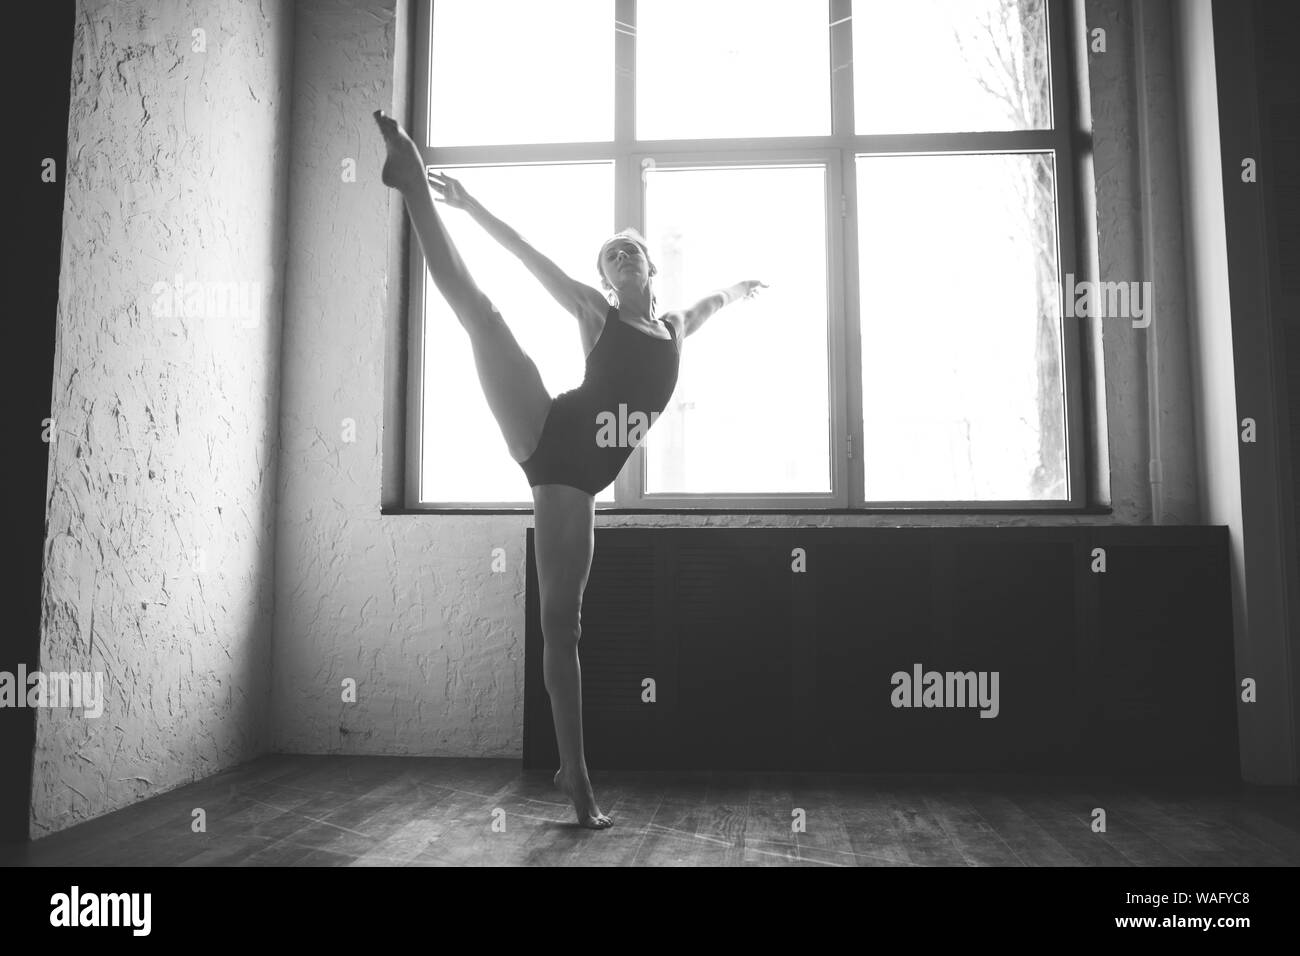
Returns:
(759, 667)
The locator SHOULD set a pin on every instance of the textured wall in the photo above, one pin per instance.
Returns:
(358, 596)
(1113, 85)
(411, 608)
(161, 486)
(1168, 349)
(407, 609)
(1213, 370)
(1236, 364)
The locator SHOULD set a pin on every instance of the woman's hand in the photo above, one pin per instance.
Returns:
(449, 190)
(750, 288)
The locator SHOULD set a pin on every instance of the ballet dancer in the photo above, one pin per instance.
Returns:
(632, 362)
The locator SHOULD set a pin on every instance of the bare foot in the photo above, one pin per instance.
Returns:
(404, 166)
(579, 792)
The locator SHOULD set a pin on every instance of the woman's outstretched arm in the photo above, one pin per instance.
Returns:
(699, 313)
(577, 298)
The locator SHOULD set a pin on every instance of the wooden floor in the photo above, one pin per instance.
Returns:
(397, 811)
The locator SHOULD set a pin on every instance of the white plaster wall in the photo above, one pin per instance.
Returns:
(1207, 257)
(161, 482)
(409, 606)
(404, 608)
(1167, 353)
(1112, 82)
(1267, 742)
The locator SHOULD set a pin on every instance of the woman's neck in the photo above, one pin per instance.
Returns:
(637, 306)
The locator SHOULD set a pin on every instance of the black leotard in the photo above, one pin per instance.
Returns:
(591, 430)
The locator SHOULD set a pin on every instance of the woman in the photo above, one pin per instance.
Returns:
(564, 444)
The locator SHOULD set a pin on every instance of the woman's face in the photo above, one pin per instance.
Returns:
(624, 264)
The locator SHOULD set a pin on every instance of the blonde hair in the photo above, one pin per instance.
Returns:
(640, 241)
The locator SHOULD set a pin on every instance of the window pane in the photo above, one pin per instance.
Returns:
(727, 68)
(961, 333)
(751, 410)
(519, 71)
(934, 66)
(566, 212)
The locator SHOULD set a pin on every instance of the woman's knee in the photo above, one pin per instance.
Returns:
(561, 629)
(476, 313)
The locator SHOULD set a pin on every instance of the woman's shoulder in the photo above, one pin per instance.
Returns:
(676, 320)
(591, 309)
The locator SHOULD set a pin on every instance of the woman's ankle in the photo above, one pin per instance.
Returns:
(578, 774)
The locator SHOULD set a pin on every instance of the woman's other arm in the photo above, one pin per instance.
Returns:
(699, 313)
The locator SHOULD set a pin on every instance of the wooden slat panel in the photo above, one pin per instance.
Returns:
(761, 668)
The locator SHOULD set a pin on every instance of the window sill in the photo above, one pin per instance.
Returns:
(1090, 511)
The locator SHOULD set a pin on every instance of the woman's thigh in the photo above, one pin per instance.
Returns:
(511, 383)
(564, 538)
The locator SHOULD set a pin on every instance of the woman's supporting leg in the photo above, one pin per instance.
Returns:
(511, 383)
(565, 538)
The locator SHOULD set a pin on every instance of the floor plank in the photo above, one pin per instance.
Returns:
(975, 839)
(769, 837)
(1033, 844)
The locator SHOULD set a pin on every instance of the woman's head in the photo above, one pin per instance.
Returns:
(624, 263)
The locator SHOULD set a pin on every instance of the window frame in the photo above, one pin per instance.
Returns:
(838, 152)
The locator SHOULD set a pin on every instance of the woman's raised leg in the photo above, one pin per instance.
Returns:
(565, 538)
(511, 383)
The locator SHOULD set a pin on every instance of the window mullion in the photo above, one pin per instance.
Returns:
(851, 361)
(624, 74)
(1077, 449)
(419, 124)
(845, 370)
(841, 67)
(629, 487)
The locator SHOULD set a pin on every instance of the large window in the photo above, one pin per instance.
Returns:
(898, 172)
